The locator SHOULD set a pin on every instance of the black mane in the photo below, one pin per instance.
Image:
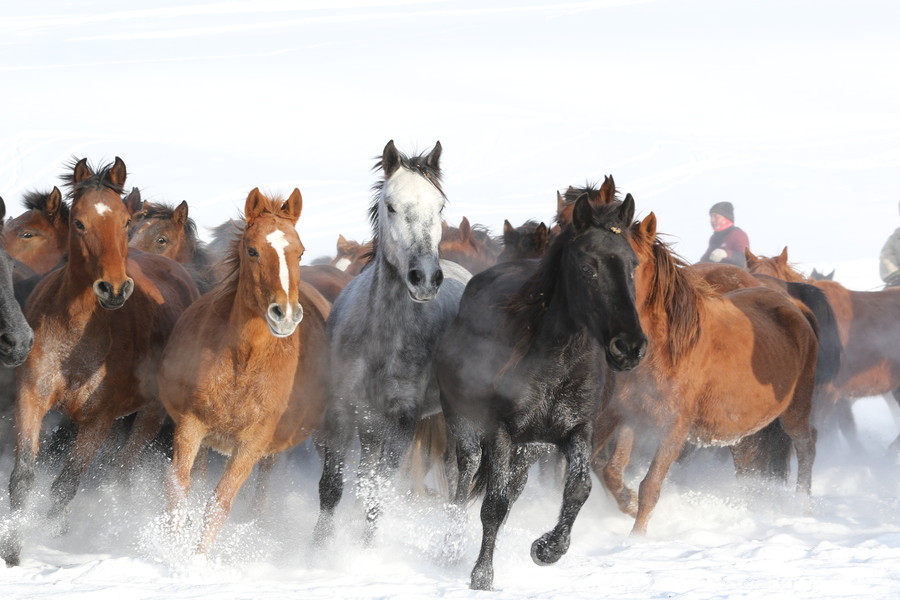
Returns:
(35, 200)
(98, 180)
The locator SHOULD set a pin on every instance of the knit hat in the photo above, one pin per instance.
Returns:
(723, 208)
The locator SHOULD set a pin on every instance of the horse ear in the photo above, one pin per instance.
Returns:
(118, 172)
(626, 210)
(783, 257)
(54, 201)
(255, 204)
(749, 256)
(434, 157)
(294, 205)
(647, 227)
(582, 214)
(2, 211)
(829, 277)
(390, 159)
(180, 215)
(507, 227)
(560, 202)
(541, 235)
(133, 201)
(608, 190)
(465, 229)
(81, 171)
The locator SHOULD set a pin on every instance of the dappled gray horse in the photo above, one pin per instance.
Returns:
(383, 329)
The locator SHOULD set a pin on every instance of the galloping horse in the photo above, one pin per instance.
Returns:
(719, 367)
(383, 329)
(100, 324)
(245, 369)
(39, 236)
(525, 362)
(16, 336)
(162, 229)
(869, 326)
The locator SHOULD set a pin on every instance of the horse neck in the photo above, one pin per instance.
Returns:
(247, 328)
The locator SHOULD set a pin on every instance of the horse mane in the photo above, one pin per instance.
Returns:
(677, 293)
(165, 212)
(100, 179)
(418, 164)
(35, 200)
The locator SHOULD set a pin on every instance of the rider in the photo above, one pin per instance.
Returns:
(727, 243)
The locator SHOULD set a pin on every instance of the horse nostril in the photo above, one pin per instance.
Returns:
(6, 341)
(415, 276)
(103, 289)
(618, 347)
(275, 312)
(437, 278)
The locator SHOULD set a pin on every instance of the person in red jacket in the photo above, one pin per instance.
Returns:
(727, 243)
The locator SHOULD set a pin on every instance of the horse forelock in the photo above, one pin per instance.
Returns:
(98, 180)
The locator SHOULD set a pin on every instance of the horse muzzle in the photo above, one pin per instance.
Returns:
(624, 353)
(15, 346)
(111, 298)
(424, 286)
(283, 320)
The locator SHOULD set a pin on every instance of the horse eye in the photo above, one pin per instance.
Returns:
(252, 252)
(162, 241)
(391, 209)
(79, 225)
(127, 223)
(588, 271)
(26, 235)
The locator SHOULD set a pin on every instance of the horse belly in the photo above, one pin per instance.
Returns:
(731, 416)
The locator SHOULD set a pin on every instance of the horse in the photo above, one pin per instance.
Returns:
(868, 325)
(245, 370)
(719, 367)
(383, 330)
(351, 255)
(327, 279)
(565, 203)
(468, 246)
(525, 362)
(528, 240)
(163, 229)
(223, 237)
(815, 275)
(39, 237)
(100, 323)
(16, 336)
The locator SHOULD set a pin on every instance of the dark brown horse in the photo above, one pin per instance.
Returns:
(718, 368)
(471, 247)
(100, 324)
(244, 372)
(869, 327)
(529, 240)
(565, 203)
(163, 229)
(39, 237)
(351, 255)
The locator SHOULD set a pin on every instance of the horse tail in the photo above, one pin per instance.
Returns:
(828, 360)
(426, 454)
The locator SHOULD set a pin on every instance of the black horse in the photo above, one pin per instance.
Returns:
(524, 365)
(16, 337)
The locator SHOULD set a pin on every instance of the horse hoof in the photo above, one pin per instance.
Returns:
(9, 552)
(482, 579)
(545, 551)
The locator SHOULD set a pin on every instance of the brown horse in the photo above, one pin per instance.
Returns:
(529, 240)
(718, 368)
(352, 256)
(471, 247)
(869, 326)
(241, 373)
(100, 324)
(39, 236)
(163, 229)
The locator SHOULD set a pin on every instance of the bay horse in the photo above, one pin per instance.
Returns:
(100, 323)
(869, 325)
(719, 367)
(245, 370)
(163, 229)
(524, 364)
(39, 236)
(469, 246)
(528, 240)
(383, 330)
(351, 256)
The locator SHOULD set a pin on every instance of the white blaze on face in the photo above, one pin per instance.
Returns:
(279, 242)
(342, 264)
(102, 208)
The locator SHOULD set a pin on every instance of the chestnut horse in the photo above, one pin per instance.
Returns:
(162, 229)
(100, 324)
(869, 326)
(565, 203)
(39, 237)
(719, 367)
(468, 246)
(351, 256)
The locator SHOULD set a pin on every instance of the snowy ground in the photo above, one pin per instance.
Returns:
(710, 537)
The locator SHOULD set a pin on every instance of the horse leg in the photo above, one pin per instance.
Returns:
(613, 473)
(189, 434)
(847, 424)
(263, 478)
(29, 415)
(648, 494)
(550, 547)
(795, 421)
(147, 423)
(895, 445)
(495, 506)
(370, 479)
(91, 435)
(331, 484)
(238, 468)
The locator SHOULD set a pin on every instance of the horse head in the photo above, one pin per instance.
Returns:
(598, 267)
(161, 229)
(38, 237)
(98, 231)
(269, 260)
(407, 219)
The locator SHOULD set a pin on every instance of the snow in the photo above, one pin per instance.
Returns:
(787, 109)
